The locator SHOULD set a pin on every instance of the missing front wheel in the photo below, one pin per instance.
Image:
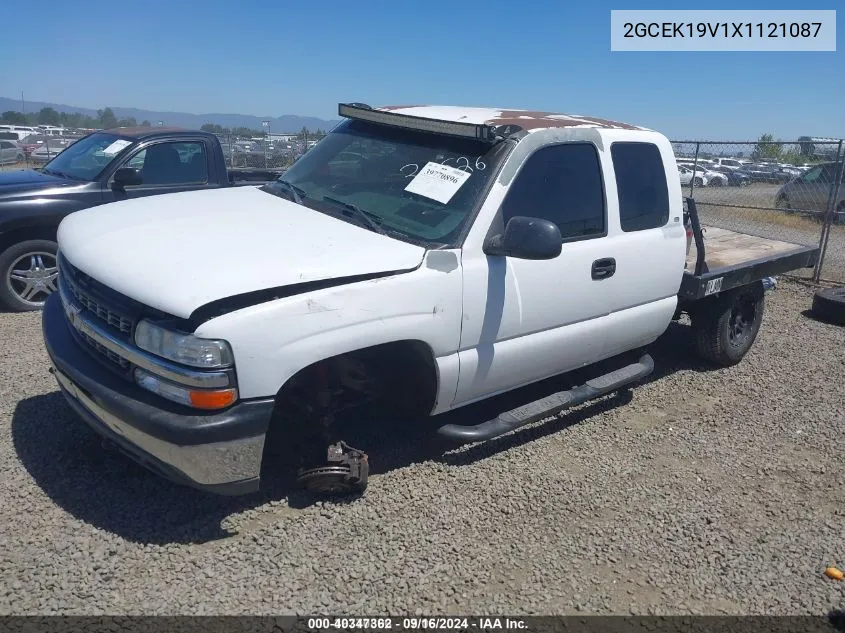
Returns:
(346, 472)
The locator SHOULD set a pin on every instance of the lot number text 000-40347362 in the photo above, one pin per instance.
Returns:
(712, 30)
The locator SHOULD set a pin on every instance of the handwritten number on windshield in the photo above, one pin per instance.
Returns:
(462, 162)
(411, 174)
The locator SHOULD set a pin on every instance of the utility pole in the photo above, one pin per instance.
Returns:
(23, 108)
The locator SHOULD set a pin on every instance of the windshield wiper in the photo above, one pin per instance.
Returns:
(373, 224)
(298, 194)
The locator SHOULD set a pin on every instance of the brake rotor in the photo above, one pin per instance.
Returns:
(332, 480)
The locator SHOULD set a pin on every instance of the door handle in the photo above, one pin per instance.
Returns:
(603, 268)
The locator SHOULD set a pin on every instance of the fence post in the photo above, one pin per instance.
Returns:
(829, 212)
(694, 169)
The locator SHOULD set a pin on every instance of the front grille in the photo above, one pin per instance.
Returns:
(104, 314)
(95, 305)
(105, 353)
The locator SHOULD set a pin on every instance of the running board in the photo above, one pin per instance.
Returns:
(550, 405)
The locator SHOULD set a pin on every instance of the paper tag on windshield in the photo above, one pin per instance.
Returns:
(116, 147)
(438, 182)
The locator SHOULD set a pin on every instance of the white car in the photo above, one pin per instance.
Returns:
(704, 176)
(729, 163)
(416, 260)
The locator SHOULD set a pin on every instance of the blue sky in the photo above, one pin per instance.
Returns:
(290, 57)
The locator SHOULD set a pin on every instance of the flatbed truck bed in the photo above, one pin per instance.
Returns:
(720, 259)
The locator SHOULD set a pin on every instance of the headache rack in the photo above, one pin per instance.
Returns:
(730, 259)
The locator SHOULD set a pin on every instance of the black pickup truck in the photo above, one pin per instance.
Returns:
(105, 166)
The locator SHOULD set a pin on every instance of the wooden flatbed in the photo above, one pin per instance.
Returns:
(720, 259)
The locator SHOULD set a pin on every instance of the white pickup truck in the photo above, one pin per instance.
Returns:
(420, 258)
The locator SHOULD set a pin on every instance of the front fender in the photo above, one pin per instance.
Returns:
(272, 341)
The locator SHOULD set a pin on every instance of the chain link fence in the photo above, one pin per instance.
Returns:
(787, 191)
(790, 191)
(263, 151)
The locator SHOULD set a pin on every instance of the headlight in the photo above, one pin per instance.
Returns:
(183, 348)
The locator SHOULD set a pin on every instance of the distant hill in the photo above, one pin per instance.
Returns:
(287, 123)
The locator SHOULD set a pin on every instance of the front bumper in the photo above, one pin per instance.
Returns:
(218, 452)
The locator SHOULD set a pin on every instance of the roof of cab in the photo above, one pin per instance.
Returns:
(141, 132)
(526, 119)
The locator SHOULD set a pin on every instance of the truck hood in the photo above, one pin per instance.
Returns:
(21, 180)
(180, 251)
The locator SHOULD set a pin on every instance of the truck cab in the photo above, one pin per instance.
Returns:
(421, 258)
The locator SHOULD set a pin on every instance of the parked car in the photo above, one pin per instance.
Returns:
(685, 172)
(709, 177)
(11, 152)
(211, 332)
(759, 172)
(810, 192)
(736, 178)
(105, 166)
(49, 150)
(731, 164)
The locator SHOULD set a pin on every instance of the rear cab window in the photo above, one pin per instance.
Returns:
(641, 185)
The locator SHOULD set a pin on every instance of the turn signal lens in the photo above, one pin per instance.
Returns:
(196, 398)
(212, 399)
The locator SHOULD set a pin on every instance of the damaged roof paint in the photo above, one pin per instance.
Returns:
(526, 119)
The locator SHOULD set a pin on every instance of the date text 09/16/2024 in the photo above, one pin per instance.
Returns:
(417, 623)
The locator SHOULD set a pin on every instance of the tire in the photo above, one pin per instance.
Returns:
(716, 182)
(829, 305)
(726, 327)
(839, 216)
(698, 182)
(28, 274)
(782, 204)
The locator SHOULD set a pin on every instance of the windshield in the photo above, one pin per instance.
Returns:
(416, 186)
(87, 157)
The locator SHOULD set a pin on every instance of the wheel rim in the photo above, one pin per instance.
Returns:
(32, 277)
(741, 322)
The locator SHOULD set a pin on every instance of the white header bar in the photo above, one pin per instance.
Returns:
(713, 30)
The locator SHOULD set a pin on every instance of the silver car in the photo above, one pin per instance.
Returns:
(810, 192)
(49, 150)
(11, 152)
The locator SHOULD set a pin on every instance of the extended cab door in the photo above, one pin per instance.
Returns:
(166, 166)
(612, 288)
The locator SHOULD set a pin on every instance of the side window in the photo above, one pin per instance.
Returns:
(641, 183)
(562, 184)
(171, 163)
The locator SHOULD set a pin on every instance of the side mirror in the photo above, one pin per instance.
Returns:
(125, 177)
(526, 238)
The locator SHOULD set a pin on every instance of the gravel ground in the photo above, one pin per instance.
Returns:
(698, 492)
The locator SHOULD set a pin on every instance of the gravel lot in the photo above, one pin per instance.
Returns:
(699, 492)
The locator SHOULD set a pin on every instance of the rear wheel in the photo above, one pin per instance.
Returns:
(28, 274)
(839, 216)
(782, 204)
(726, 327)
(698, 182)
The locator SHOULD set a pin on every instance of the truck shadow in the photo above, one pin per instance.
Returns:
(110, 492)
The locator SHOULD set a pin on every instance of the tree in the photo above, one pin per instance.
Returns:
(13, 117)
(129, 122)
(146, 123)
(212, 127)
(767, 149)
(106, 118)
(48, 116)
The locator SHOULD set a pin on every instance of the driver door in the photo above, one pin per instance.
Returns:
(166, 167)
